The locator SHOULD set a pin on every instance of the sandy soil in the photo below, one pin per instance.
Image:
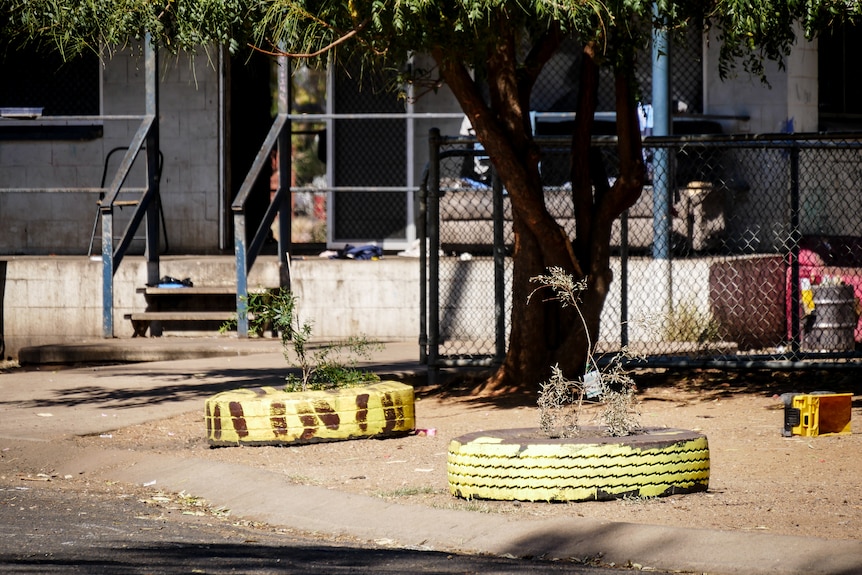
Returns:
(760, 480)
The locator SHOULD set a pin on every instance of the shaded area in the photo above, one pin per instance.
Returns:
(182, 558)
(3, 266)
(101, 531)
(457, 384)
(709, 384)
(172, 385)
(661, 547)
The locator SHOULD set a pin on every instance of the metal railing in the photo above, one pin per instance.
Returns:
(146, 203)
(246, 251)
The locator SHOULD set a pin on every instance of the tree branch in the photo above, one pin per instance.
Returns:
(320, 52)
(542, 51)
(582, 191)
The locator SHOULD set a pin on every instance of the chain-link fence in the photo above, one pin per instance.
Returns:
(739, 249)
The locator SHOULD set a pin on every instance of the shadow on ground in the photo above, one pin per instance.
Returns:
(459, 384)
(708, 384)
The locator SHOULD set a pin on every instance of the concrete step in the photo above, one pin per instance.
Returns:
(197, 308)
(184, 291)
(181, 315)
(178, 320)
(127, 350)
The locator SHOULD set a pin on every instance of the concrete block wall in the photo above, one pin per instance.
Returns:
(38, 222)
(802, 85)
(790, 95)
(467, 298)
(648, 297)
(343, 298)
(48, 300)
(467, 306)
(190, 144)
(59, 299)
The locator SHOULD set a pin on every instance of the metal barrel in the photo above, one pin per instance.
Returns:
(833, 320)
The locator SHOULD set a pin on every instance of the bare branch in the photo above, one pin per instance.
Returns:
(320, 52)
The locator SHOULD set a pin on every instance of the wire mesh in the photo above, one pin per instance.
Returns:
(368, 153)
(466, 275)
(764, 259)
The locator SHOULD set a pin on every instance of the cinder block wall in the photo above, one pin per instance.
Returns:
(38, 222)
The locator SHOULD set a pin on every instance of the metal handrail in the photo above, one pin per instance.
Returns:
(146, 134)
(141, 191)
(246, 252)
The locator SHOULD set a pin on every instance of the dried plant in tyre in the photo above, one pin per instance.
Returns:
(560, 405)
(619, 402)
(561, 399)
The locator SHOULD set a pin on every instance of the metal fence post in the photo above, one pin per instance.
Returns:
(499, 269)
(285, 213)
(433, 255)
(423, 267)
(795, 236)
(662, 177)
(624, 278)
(148, 131)
(108, 272)
(241, 274)
(151, 251)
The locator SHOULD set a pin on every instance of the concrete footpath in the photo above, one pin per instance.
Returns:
(45, 405)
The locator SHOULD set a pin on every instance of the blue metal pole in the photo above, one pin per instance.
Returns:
(662, 176)
(661, 127)
(110, 260)
(241, 274)
(108, 272)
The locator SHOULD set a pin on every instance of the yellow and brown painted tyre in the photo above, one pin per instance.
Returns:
(272, 416)
(522, 465)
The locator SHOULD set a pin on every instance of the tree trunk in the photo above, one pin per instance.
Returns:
(542, 333)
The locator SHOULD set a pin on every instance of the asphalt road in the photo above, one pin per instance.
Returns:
(56, 527)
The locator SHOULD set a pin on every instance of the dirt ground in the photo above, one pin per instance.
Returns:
(760, 480)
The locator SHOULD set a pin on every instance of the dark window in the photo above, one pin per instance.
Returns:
(840, 84)
(43, 80)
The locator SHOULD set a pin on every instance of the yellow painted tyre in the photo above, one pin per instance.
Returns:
(522, 465)
(272, 416)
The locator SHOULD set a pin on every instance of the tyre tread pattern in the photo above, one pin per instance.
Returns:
(272, 416)
(520, 465)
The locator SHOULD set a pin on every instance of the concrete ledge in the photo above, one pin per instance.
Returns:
(145, 349)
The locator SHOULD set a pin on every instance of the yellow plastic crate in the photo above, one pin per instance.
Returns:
(818, 414)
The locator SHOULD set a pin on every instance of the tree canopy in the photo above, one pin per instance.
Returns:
(489, 53)
(395, 29)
